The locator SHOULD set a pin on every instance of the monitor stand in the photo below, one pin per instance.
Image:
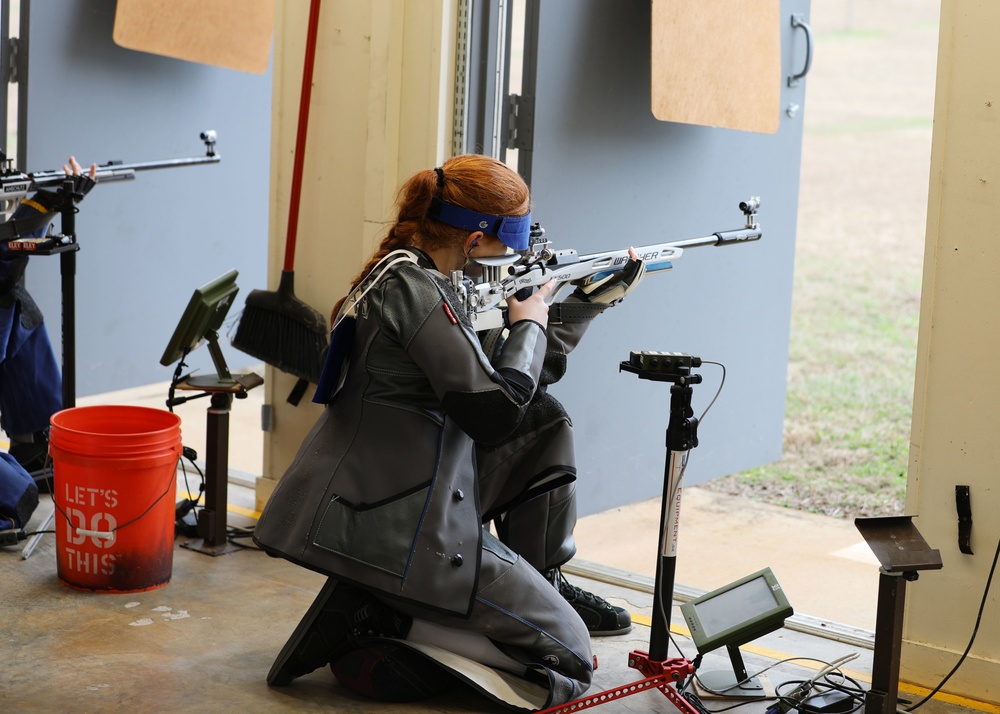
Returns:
(221, 387)
(721, 683)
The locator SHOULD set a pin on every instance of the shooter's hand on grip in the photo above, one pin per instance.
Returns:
(81, 183)
(613, 289)
(532, 307)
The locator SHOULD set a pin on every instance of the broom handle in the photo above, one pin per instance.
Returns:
(300, 138)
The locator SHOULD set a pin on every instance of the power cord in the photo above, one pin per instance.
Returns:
(234, 533)
(799, 698)
(975, 631)
(718, 391)
(830, 697)
(185, 525)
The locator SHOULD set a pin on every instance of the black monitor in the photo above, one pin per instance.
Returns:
(204, 315)
(731, 616)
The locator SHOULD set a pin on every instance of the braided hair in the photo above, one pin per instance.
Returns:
(473, 181)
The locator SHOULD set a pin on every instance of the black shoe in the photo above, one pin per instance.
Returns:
(339, 617)
(600, 616)
(32, 455)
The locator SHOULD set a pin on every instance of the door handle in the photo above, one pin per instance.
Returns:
(799, 22)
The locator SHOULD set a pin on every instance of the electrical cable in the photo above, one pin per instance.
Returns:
(718, 391)
(177, 378)
(191, 455)
(235, 532)
(788, 701)
(975, 631)
(823, 684)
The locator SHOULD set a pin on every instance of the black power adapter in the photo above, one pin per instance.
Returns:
(11, 537)
(831, 702)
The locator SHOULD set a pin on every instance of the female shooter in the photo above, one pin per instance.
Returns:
(426, 438)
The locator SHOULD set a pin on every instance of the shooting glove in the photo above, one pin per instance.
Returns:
(81, 186)
(612, 290)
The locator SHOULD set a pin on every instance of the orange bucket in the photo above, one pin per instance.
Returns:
(114, 484)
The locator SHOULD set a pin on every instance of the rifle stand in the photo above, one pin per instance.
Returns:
(212, 518)
(901, 551)
(66, 246)
(661, 672)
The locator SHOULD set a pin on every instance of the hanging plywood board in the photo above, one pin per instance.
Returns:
(225, 33)
(717, 63)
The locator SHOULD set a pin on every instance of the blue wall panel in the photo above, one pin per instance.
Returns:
(146, 244)
(606, 174)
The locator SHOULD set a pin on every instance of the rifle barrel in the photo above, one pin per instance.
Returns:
(121, 172)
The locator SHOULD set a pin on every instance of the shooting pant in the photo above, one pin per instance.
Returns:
(538, 527)
(30, 380)
(516, 607)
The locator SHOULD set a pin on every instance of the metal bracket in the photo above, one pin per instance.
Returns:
(520, 122)
(964, 506)
(13, 60)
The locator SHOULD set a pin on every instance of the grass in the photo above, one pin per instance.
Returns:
(855, 314)
(848, 404)
(852, 357)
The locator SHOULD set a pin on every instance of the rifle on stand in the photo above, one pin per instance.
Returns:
(20, 234)
(16, 185)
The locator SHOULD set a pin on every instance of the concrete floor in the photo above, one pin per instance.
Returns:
(206, 640)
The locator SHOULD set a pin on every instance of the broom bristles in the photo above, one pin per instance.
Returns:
(284, 332)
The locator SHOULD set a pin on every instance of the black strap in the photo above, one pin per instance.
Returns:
(23, 227)
(571, 312)
(295, 396)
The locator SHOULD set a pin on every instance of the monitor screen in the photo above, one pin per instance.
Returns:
(204, 314)
(737, 613)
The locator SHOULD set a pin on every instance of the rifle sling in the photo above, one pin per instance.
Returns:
(23, 227)
(571, 312)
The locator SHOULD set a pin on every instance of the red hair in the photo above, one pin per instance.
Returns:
(472, 181)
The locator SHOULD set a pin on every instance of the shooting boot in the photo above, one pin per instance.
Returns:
(31, 450)
(339, 618)
(600, 616)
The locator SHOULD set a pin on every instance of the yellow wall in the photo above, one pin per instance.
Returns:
(957, 396)
(381, 98)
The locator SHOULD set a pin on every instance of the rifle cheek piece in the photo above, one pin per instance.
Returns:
(513, 231)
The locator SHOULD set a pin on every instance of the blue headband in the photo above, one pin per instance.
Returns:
(512, 230)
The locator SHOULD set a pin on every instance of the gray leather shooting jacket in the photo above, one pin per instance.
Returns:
(383, 491)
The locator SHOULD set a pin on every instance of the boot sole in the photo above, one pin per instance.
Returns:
(279, 676)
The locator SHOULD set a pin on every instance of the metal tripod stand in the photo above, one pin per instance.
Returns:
(662, 672)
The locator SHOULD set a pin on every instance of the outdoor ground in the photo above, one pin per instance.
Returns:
(859, 260)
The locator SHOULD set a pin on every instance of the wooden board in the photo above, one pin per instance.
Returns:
(225, 33)
(717, 63)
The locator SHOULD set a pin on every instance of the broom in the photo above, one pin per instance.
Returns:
(277, 327)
